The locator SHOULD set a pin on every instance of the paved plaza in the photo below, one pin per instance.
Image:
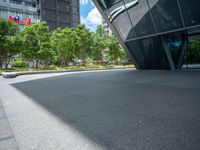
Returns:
(101, 110)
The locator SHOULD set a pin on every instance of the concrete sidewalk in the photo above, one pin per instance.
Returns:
(7, 138)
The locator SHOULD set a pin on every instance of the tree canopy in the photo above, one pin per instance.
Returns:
(60, 47)
(7, 43)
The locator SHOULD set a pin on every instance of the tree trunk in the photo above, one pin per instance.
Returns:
(84, 60)
(1, 64)
(37, 63)
(7, 62)
(46, 63)
(116, 61)
(61, 61)
(66, 61)
(102, 60)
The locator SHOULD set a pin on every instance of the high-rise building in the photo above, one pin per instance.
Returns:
(59, 13)
(23, 9)
(106, 26)
(157, 34)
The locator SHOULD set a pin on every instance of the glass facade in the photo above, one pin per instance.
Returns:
(140, 18)
(175, 44)
(123, 26)
(166, 14)
(157, 33)
(191, 11)
(149, 53)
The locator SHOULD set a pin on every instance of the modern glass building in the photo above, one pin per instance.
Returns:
(157, 34)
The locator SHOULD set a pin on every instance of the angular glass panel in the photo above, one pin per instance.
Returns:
(103, 6)
(166, 14)
(191, 11)
(112, 4)
(149, 53)
(123, 26)
(110, 7)
(175, 44)
(145, 26)
(140, 17)
(115, 9)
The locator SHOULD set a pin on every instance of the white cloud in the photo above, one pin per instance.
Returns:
(92, 20)
(83, 20)
(94, 16)
(83, 2)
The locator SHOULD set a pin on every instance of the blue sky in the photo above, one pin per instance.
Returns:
(89, 14)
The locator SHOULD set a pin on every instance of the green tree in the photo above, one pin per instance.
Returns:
(13, 48)
(63, 41)
(36, 44)
(100, 38)
(84, 42)
(56, 38)
(7, 44)
(115, 51)
(45, 52)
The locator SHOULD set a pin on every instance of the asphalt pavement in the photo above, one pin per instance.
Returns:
(111, 110)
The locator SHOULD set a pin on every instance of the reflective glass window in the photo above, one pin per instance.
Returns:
(140, 17)
(175, 44)
(166, 14)
(103, 6)
(111, 4)
(145, 26)
(149, 53)
(191, 11)
(123, 26)
(115, 9)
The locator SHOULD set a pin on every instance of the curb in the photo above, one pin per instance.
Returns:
(15, 74)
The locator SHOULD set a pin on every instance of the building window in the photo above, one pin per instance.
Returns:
(67, 7)
(191, 12)
(166, 15)
(3, 12)
(16, 13)
(35, 16)
(31, 15)
(16, 1)
(31, 4)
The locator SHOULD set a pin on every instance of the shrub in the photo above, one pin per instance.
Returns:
(19, 63)
(52, 67)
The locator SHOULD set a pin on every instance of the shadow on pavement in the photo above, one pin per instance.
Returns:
(126, 109)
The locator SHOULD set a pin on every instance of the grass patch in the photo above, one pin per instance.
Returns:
(52, 67)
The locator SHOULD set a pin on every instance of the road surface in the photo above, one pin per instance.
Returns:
(111, 110)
